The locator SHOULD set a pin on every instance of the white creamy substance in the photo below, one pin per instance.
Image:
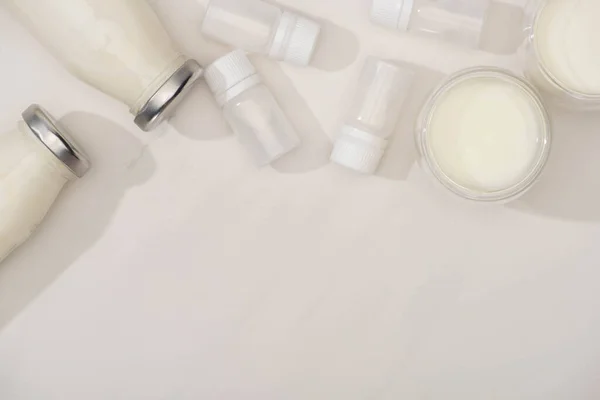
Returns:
(117, 46)
(30, 180)
(485, 134)
(567, 38)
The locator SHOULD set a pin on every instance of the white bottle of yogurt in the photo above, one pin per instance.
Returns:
(563, 52)
(117, 46)
(36, 161)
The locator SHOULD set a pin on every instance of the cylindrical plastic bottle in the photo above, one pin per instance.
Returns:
(459, 21)
(36, 162)
(485, 135)
(250, 108)
(563, 51)
(259, 27)
(382, 90)
(117, 46)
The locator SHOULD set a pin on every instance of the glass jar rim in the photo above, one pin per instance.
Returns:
(543, 150)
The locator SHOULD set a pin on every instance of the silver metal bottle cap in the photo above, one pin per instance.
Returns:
(56, 139)
(165, 100)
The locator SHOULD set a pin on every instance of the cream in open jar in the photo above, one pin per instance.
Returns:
(36, 161)
(565, 50)
(485, 135)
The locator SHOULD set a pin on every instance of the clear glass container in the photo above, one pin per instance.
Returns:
(458, 21)
(250, 108)
(485, 135)
(376, 107)
(119, 47)
(37, 160)
(563, 51)
(260, 27)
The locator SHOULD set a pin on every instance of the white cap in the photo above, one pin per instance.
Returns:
(393, 14)
(358, 150)
(295, 39)
(230, 76)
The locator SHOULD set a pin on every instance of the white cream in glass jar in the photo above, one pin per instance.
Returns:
(117, 46)
(36, 161)
(485, 135)
(563, 52)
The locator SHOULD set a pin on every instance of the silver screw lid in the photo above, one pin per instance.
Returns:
(56, 139)
(164, 101)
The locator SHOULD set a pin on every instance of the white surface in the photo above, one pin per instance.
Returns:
(177, 270)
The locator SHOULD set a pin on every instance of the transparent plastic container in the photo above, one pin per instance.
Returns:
(117, 46)
(376, 107)
(250, 108)
(36, 161)
(458, 21)
(485, 135)
(563, 51)
(259, 27)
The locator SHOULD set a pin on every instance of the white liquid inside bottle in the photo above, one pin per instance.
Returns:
(117, 46)
(485, 135)
(36, 162)
(566, 50)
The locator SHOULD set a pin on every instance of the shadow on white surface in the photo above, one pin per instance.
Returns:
(570, 187)
(507, 19)
(402, 151)
(81, 214)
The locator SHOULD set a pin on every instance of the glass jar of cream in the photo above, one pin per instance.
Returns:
(36, 161)
(485, 135)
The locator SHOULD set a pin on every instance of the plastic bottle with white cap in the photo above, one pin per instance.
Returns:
(260, 27)
(459, 21)
(36, 161)
(382, 90)
(118, 46)
(250, 108)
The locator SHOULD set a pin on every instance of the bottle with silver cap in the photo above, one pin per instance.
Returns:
(260, 27)
(459, 21)
(250, 108)
(119, 47)
(382, 90)
(37, 160)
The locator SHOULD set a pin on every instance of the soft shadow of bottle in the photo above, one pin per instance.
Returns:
(80, 215)
(569, 187)
(402, 151)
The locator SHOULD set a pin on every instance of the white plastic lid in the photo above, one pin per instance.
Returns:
(358, 150)
(393, 14)
(295, 39)
(230, 76)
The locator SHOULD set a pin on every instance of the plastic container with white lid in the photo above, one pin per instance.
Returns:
(260, 27)
(459, 21)
(117, 46)
(485, 135)
(36, 161)
(250, 108)
(563, 51)
(382, 89)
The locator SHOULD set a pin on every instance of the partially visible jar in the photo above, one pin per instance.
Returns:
(36, 161)
(458, 21)
(117, 46)
(485, 135)
(563, 51)
(260, 27)
(250, 108)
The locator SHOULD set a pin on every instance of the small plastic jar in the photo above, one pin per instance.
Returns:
(376, 107)
(117, 46)
(250, 108)
(485, 135)
(563, 51)
(260, 27)
(458, 21)
(36, 161)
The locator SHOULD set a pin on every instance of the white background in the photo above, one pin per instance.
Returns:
(178, 270)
